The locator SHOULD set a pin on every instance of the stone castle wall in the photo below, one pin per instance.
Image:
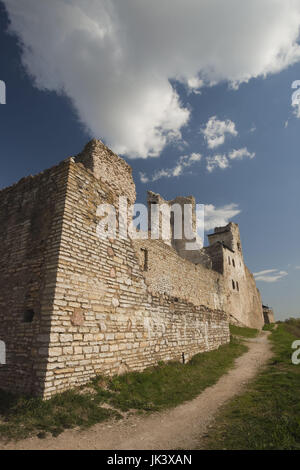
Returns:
(109, 167)
(168, 273)
(105, 318)
(268, 315)
(243, 302)
(30, 228)
(104, 306)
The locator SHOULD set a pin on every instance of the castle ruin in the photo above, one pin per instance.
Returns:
(73, 306)
(268, 315)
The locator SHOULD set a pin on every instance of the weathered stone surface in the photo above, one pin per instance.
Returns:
(77, 318)
(268, 315)
(94, 309)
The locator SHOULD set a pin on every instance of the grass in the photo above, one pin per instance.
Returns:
(156, 388)
(269, 327)
(168, 385)
(293, 326)
(21, 417)
(243, 331)
(267, 416)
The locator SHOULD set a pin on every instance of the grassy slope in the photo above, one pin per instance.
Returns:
(267, 416)
(243, 331)
(269, 327)
(156, 388)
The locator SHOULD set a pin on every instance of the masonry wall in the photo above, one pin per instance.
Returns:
(181, 209)
(30, 227)
(228, 286)
(268, 315)
(105, 317)
(244, 304)
(99, 306)
(109, 167)
(168, 273)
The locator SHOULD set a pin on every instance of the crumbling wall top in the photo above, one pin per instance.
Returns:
(229, 236)
(108, 167)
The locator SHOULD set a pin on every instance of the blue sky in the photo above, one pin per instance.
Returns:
(40, 125)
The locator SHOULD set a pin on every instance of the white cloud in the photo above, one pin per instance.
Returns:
(222, 161)
(219, 217)
(194, 85)
(115, 59)
(270, 275)
(240, 154)
(296, 98)
(144, 178)
(195, 157)
(217, 161)
(215, 131)
(182, 163)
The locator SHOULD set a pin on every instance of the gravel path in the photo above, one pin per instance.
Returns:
(182, 427)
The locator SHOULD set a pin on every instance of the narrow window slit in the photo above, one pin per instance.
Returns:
(28, 316)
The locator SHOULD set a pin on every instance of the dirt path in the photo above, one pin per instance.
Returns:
(180, 428)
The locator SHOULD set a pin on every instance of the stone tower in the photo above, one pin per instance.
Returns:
(176, 226)
(244, 304)
(229, 236)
